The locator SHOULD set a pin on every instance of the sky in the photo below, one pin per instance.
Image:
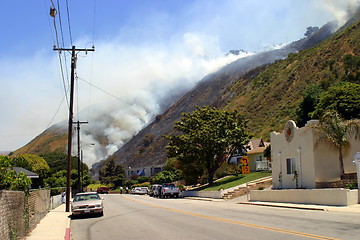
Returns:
(145, 51)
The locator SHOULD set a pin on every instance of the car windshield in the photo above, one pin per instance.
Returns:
(169, 185)
(86, 197)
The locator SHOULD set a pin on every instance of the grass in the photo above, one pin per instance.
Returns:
(233, 181)
(95, 186)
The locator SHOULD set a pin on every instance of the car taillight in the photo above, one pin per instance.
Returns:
(164, 190)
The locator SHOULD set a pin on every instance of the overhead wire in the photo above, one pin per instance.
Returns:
(59, 54)
(68, 16)
(92, 57)
(112, 95)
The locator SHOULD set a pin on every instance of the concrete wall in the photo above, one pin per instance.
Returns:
(20, 213)
(11, 214)
(204, 194)
(332, 197)
(252, 161)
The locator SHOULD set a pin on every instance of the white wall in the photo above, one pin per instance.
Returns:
(334, 197)
(315, 162)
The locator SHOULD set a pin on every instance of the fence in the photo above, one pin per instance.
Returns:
(20, 212)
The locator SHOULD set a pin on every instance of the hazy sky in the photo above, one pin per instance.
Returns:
(144, 51)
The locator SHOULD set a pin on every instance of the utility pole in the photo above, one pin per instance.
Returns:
(73, 66)
(79, 164)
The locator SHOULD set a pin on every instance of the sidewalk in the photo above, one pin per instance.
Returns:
(243, 200)
(352, 208)
(54, 226)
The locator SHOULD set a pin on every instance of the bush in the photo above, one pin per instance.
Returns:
(352, 185)
(143, 179)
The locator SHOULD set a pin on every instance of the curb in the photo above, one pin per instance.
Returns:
(67, 234)
(205, 199)
(68, 230)
(283, 206)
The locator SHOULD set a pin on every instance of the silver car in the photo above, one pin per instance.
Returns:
(87, 203)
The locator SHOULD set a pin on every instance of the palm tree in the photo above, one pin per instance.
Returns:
(337, 132)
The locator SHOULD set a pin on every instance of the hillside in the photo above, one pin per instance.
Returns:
(267, 93)
(52, 139)
(266, 87)
(270, 95)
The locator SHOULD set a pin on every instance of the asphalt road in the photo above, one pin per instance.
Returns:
(143, 217)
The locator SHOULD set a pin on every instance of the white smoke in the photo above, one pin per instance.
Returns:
(342, 10)
(137, 81)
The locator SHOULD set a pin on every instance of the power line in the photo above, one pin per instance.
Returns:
(112, 95)
(53, 13)
(68, 16)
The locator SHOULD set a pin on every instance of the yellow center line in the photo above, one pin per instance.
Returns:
(235, 222)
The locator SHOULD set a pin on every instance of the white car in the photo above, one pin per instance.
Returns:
(87, 203)
(144, 190)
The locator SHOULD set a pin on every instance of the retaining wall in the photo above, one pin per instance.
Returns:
(331, 197)
(20, 213)
(204, 194)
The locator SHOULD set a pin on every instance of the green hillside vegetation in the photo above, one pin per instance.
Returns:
(270, 95)
(233, 181)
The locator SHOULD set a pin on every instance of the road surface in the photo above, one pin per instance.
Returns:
(144, 217)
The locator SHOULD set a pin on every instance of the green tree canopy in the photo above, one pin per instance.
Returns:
(209, 138)
(111, 173)
(311, 98)
(166, 176)
(343, 98)
(35, 164)
(9, 179)
(352, 68)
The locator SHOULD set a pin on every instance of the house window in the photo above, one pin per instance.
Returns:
(290, 165)
(259, 158)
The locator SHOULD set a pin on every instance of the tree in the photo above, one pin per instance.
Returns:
(9, 179)
(337, 132)
(352, 68)
(209, 138)
(343, 98)
(111, 173)
(35, 164)
(166, 176)
(311, 97)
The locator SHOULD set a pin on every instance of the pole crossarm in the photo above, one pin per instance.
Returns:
(76, 49)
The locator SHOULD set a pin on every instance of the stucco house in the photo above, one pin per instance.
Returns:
(298, 162)
(299, 165)
(144, 171)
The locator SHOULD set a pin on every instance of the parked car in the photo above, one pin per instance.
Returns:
(153, 190)
(87, 203)
(144, 190)
(103, 190)
(169, 190)
(136, 190)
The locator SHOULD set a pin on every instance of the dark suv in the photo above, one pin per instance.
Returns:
(103, 190)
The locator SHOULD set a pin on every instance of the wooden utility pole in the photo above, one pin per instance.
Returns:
(73, 66)
(79, 163)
